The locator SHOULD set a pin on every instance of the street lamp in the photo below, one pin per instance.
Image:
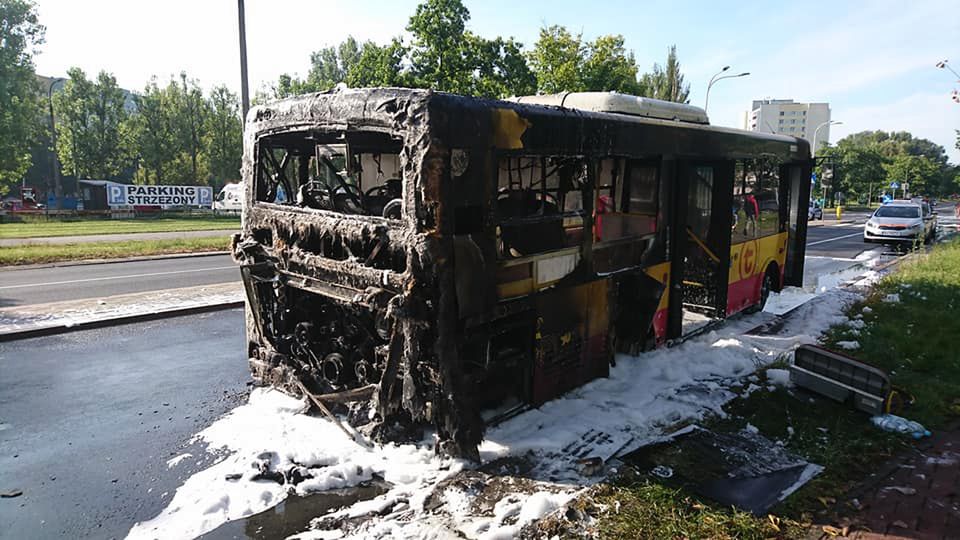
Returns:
(813, 145)
(716, 78)
(244, 92)
(943, 65)
(57, 186)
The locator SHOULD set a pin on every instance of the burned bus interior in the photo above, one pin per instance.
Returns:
(423, 260)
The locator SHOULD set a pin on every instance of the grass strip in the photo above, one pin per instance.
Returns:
(43, 253)
(37, 227)
(906, 326)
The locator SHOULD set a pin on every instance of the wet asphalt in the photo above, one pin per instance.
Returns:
(89, 419)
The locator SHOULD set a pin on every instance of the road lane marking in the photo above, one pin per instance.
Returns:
(832, 239)
(128, 276)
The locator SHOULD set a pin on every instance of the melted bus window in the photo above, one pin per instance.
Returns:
(539, 204)
(359, 174)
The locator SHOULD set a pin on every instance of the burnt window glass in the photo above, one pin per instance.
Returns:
(351, 174)
(539, 204)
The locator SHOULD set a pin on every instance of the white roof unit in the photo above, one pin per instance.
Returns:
(612, 102)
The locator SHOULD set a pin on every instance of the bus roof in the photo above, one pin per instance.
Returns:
(390, 109)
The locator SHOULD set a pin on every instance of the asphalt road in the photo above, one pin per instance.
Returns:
(20, 287)
(89, 419)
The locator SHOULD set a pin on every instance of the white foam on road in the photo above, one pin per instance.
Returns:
(643, 397)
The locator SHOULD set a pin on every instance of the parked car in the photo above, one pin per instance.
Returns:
(815, 212)
(901, 221)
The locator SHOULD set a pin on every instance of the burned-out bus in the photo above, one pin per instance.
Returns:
(426, 259)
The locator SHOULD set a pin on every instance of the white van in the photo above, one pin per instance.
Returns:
(230, 199)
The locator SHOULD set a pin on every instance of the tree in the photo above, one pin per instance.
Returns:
(870, 160)
(154, 133)
(557, 59)
(223, 144)
(666, 82)
(441, 57)
(500, 68)
(562, 62)
(378, 66)
(20, 117)
(191, 113)
(93, 137)
(918, 171)
(609, 67)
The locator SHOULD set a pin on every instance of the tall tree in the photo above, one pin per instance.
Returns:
(223, 136)
(440, 57)
(378, 66)
(500, 68)
(155, 133)
(192, 112)
(562, 62)
(557, 60)
(93, 134)
(20, 117)
(610, 67)
(666, 82)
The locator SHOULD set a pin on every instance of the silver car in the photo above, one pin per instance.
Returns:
(900, 221)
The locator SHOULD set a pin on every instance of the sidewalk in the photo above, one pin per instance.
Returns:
(74, 312)
(917, 495)
(80, 239)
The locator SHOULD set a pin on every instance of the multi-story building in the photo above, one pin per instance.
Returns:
(787, 117)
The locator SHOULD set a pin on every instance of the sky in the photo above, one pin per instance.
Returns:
(872, 61)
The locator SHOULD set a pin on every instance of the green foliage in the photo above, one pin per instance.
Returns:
(378, 66)
(184, 138)
(666, 82)
(223, 136)
(869, 161)
(93, 134)
(557, 61)
(443, 56)
(20, 115)
(440, 57)
(562, 62)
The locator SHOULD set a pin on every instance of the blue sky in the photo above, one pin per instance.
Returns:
(873, 61)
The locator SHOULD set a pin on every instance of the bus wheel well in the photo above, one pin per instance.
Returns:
(774, 268)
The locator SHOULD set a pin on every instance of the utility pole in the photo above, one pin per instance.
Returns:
(244, 91)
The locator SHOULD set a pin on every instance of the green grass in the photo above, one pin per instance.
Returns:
(36, 227)
(41, 253)
(914, 340)
(647, 509)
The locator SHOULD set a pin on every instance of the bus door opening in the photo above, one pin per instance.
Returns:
(702, 241)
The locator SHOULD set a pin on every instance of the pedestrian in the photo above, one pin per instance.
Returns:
(752, 210)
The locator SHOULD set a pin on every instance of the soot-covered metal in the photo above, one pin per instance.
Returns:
(421, 259)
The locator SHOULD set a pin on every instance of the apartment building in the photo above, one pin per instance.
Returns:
(788, 117)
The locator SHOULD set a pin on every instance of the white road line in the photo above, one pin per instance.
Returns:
(832, 239)
(116, 277)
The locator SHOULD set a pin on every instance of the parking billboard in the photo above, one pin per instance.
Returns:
(134, 195)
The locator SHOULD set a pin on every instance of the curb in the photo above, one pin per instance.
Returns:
(116, 321)
(84, 262)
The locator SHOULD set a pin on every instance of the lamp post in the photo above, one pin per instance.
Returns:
(944, 65)
(813, 154)
(813, 143)
(57, 185)
(244, 92)
(716, 78)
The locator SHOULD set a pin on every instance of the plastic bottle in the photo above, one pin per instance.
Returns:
(897, 424)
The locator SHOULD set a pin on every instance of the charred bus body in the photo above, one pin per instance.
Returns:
(426, 258)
